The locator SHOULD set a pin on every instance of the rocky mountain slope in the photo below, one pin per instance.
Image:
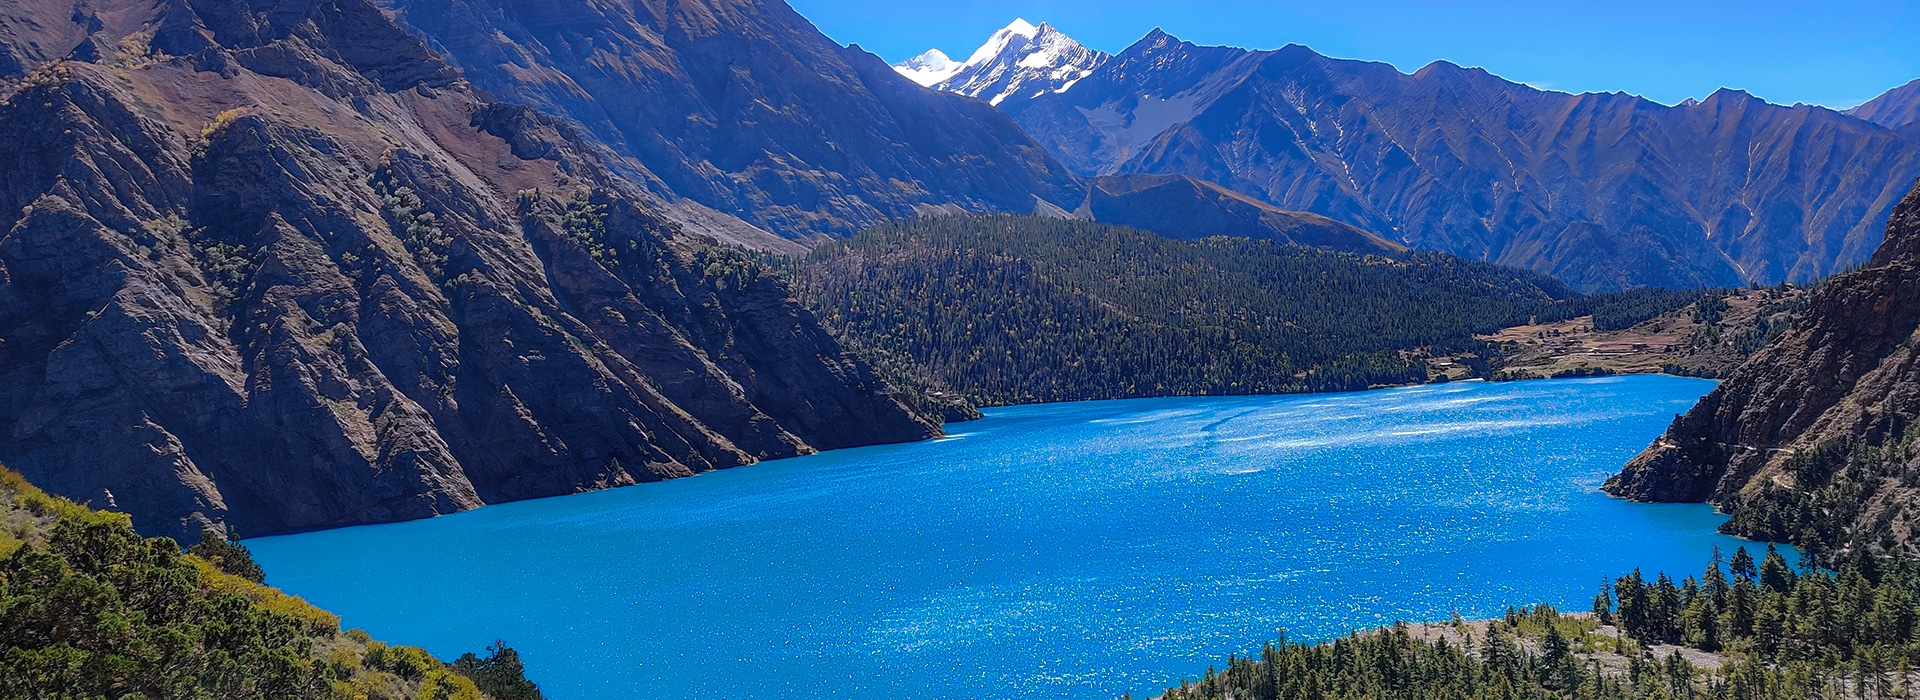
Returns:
(1020, 61)
(740, 110)
(279, 267)
(1603, 190)
(1811, 440)
(1185, 208)
(1896, 108)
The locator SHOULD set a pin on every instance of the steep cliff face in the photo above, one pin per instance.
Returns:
(743, 107)
(278, 267)
(1810, 440)
(1602, 190)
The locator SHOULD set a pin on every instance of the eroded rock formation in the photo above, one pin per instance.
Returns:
(276, 266)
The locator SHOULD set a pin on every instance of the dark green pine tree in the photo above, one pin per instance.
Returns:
(1714, 584)
(1665, 609)
(1742, 564)
(1737, 614)
(1892, 618)
(1559, 670)
(1635, 608)
(1774, 574)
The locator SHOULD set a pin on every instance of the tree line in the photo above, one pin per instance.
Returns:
(1009, 310)
(1776, 632)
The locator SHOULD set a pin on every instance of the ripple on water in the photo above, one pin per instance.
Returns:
(1054, 551)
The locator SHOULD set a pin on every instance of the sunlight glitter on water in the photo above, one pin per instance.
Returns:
(1053, 551)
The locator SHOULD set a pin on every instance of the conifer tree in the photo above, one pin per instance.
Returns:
(1665, 610)
(1774, 574)
(1742, 564)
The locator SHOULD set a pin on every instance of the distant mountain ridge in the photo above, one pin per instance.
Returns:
(1895, 109)
(852, 143)
(1603, 190)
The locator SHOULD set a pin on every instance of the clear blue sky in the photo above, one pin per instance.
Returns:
(1837, 53)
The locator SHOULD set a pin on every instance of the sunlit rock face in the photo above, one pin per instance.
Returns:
(1810, 440)
(1605, 191)
(273, 269)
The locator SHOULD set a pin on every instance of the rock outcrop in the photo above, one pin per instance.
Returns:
(277, 266)
(1810, 440)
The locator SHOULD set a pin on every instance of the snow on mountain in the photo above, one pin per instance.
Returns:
(930, 68)
(1019, 59)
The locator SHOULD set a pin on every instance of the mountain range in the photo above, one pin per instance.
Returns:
(1603, 190)
(285, 267)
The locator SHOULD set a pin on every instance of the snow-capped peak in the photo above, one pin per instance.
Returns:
(930, 68)
(1018, 60)
(1019, 32)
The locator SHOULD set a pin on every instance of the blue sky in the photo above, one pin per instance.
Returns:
(1837, 53)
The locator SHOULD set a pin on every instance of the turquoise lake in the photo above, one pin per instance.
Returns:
(1053, 551)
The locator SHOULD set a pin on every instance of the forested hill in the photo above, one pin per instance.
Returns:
(1007, 309)
(90, 609)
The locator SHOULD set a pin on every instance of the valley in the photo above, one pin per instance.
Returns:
(645, 348)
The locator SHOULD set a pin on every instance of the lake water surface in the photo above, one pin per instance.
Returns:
(1054, 551)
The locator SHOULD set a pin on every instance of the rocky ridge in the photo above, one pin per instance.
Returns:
(276, 267)
(1185, 208)
(1605, 191)
(1898, 108)
(1810, 440)
(741, 111)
